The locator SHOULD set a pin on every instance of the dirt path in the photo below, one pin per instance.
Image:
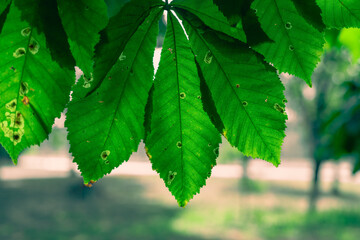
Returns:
(289, 170)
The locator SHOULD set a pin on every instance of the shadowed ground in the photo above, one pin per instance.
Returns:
(64, 209)
(142, 208)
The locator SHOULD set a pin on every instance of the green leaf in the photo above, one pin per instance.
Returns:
(106, 126)
(82, 21)
(232, 9)
(340, 13)
(297, 46)
(113, 40)
(3, 5)
(350, 38)
(43, 16)
(311, 12)
(183, 143)
(4, 10)
(239, 12)
(34, 89)
(332, 39)
(208, 102)
(209, 13)
(250, 105)
(114, 6)
(254, 33)
(148, 113)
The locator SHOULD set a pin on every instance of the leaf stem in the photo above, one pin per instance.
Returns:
(167, 7)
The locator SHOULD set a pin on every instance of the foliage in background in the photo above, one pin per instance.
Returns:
(217, 75)
(330, 114)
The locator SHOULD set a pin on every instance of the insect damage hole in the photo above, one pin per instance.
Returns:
(280, 109)
(208, 57)
(16, 137)
(122, 57)
(24, 88)
(34, 46)
(179, 144)
(171, 177)
(19, 120)
(288, 25)
(11, 105)
(104, 155)
(87, 80)
(182, 95)
(19, 52)
(26, 32)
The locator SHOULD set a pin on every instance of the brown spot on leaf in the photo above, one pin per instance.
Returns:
(25, 100)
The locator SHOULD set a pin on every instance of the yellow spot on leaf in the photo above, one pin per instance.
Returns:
(11, 105)
(224, 132)
(147, 153)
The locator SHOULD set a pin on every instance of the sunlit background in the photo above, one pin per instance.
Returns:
(313, 194)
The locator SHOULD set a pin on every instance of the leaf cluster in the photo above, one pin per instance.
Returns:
(218, 75)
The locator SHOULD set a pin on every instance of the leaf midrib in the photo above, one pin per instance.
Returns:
(179, 103)
(341, 3)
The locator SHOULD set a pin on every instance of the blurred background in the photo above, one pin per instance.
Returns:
(313, 194)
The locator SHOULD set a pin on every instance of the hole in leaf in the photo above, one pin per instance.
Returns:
(26, 32)
(171, 177)
(278, 108)
(19, 52)
(182, 95)
(208, 57)
(24, 88)
(105, 154)
(288, 25)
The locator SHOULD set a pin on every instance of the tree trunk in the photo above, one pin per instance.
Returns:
(336, 182)
(245, 163)
(245, 181)
(314, 193)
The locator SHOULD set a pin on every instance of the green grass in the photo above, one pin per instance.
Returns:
(141, 208)
(330, 224)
